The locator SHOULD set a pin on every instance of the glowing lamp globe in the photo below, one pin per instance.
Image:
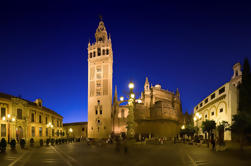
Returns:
(132, 96)
(131, 85)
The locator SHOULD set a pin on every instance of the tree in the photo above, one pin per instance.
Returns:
(245, 89)
(221, 129)
(241, 125)
(208, 126)
(189, 129)
(131, 124)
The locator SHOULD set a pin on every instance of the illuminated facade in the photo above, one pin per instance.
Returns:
(22, 119)
(76, 130)
(220, 105)
(105, 117)
(100, 68)
(157, 112)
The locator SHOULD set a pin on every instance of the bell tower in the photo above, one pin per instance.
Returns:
(100, 69)
(147, 94)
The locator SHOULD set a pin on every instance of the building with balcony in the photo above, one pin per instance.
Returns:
(23, 119)
(220, 105)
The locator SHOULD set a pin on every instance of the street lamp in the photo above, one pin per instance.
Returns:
(121, 98)
(139, 101)
(131, 85)
(183, 127)
(70, 130)
(132, 95)
(8, 120)
(50, 126)
(131, 122)
(196, 118)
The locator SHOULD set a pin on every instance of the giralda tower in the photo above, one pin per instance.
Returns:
(100, 68)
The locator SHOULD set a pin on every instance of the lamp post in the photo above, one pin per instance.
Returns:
(131, 125)
(130, 119)
(70, 130)
(8, 120)
(49, 125)
(196, 118)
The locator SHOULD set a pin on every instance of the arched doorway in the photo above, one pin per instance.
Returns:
(19, 133)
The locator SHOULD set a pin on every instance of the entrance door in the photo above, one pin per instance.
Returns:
(19, 133)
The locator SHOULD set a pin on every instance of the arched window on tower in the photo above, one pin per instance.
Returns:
(99, 51)
(94, 54)
(236, 73)
(107, 52)
(103, 51)
(91, 55)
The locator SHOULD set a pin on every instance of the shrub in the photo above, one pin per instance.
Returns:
(41, 141)
(47, 141)
(70, 140)
(52, 141)
(13, 144)
(64, 140)
(22, 143)
(3, 145)
(32, 142)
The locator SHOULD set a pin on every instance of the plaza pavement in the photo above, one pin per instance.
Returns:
(80, 154)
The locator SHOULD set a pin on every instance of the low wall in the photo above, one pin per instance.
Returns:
(158, 128)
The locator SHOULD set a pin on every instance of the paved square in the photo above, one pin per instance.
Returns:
(80, 154)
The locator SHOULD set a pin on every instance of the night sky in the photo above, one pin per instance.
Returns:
(190, 46)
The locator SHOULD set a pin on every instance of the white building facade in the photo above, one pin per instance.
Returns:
(220, 105)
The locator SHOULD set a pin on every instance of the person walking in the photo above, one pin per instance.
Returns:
(213, 144)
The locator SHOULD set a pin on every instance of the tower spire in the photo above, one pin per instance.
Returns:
(177, 93)
(101, 34)
(146, 84)
(146, 81)
(100, 18)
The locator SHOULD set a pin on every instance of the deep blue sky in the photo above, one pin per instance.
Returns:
(187, 45)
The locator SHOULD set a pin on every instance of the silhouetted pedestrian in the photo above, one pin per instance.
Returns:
(117, 146)
(213, 144)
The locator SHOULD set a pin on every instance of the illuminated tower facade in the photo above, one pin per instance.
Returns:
(100, 69)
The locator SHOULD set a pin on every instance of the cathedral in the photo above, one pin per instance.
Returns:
(157, 112)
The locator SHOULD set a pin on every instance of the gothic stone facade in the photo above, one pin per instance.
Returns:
(159, 107)
(157, 112)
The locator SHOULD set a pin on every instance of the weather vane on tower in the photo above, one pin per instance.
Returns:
(100, 17)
